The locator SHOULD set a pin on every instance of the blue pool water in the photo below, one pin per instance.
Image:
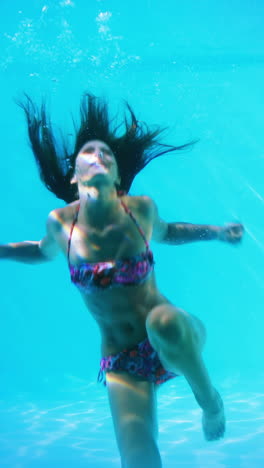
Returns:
(198, 68)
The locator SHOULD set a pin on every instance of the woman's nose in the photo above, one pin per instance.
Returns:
(100, 154)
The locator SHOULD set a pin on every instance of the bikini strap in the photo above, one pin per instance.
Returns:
(71, 231)
(129, 212)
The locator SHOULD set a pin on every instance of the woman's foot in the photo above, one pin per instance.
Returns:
(213, 420)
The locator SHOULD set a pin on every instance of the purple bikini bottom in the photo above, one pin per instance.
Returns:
(141, 361)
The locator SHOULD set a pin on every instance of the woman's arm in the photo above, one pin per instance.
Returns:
(33, 251)
(181, 233)
(25, 252)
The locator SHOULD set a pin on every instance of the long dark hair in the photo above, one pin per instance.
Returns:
(133, 149)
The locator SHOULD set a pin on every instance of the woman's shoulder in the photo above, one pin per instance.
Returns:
(143, 204)
(58, 217)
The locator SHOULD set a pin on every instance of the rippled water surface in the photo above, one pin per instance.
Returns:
(78, 431)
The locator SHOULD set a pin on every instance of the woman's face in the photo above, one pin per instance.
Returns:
(95, 159)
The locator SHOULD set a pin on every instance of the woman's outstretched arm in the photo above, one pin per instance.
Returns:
(33, 251)
(181, 233)
(25, 252)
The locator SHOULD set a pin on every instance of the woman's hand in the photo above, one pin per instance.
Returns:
(232, 233)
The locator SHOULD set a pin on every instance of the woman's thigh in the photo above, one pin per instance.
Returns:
(167, 322)
(134, 411)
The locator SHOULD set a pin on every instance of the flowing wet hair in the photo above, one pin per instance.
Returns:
(133, 143)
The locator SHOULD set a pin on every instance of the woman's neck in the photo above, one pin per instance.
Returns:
(99, 206)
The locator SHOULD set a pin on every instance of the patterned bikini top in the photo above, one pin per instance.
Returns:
(89, 277)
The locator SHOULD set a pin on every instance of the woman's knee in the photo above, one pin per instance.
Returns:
(133, 431)
(166, 322)
(135, 439)
(137, 442)
(170, 324)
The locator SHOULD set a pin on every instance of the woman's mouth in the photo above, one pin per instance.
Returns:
(97, 164)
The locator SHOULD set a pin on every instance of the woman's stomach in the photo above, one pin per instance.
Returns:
(121, 314)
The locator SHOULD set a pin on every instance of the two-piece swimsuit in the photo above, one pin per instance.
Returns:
(141, 360)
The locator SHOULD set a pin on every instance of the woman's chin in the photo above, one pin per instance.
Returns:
(96, 175)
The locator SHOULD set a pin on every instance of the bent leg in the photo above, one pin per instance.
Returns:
(133, 408)
(179, 338)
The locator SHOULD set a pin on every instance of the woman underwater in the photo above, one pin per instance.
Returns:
(105, 234)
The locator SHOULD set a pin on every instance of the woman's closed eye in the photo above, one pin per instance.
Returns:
(91, 150)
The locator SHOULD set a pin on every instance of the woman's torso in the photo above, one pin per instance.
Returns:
(119, 311)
